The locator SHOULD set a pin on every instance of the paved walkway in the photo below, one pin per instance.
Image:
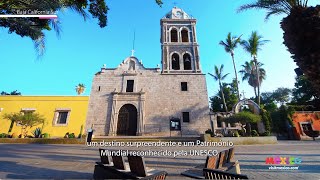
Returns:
(36, 161)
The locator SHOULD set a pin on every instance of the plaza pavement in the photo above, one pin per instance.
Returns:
(43, 161)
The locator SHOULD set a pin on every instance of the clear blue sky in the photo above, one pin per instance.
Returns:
(84, 47)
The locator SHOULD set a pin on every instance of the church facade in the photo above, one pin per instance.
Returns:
(134, 100)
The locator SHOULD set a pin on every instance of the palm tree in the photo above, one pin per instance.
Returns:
(229, 45)
(249, 73)
(80, 88)
(35, 27)
(252, 46)
(218, 76)
(301, 32)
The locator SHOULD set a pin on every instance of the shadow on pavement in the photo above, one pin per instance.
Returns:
(18, 171)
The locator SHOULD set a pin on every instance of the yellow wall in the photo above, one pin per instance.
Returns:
(46, 106)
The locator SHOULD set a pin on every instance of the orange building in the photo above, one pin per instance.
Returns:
(304, 121)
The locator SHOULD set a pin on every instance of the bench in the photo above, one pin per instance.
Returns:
(218, 174)
(134, 169)
(197, 172)
(222, 162)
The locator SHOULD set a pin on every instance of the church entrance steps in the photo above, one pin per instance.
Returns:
(146, 138)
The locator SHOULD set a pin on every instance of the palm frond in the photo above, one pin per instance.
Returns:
(274, 11)
(56, 25)
(159, 2)
(221, 68)
(40, 46)
(80, 11)
(214, 77)
(224, 76)
(230, 43)
(253, 44)
(225, 45)
(274, 7)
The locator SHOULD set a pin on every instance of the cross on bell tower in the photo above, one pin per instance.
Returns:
(180, 49)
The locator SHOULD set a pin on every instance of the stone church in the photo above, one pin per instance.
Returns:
(133, 100)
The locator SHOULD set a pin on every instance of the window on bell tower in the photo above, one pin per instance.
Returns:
(184, 35)
(187, 62)
(174, 35)
(175, 61)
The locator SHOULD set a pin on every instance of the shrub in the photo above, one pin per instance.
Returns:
(4, 135)
(71, 135)
(266, 119)
(254, 133)
(26, 120)
(45, 135)
(243, 117)
(267, 133)
(236, 134)
(37, 133)
(241, 132)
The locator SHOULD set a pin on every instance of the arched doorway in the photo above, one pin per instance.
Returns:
(127, 120)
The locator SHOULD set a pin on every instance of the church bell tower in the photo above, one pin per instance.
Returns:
(180, 49)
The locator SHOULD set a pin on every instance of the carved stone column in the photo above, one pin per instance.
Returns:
(140, 125)
(114, 116)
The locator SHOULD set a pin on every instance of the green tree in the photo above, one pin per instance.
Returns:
(267, 102)
(80, 88)
(249, 74)
(16, 93)
(219, 76)
(301, 32)
(253, 46)
(282, 118)
(282, 95)
(35, 27)
(229, 90)
(304, 94)
(266, 119)
(14, 117)
(230, 44)
(26, 120)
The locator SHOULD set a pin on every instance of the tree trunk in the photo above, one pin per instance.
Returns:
(222, 94)
(11, 126)
(255, 92)
(258, 79)
(235, 73)
(248, 129)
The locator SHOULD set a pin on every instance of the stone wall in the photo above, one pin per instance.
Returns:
(156, 96)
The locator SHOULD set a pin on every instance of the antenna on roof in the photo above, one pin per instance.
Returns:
(133, 42)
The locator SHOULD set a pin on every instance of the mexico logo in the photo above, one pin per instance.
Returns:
(283, 160)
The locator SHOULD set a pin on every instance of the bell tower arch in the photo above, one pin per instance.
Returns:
(180, 49)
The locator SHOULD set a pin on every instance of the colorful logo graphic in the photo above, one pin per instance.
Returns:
(283, 160)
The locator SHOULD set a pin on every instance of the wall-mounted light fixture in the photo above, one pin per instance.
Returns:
(1, 109)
